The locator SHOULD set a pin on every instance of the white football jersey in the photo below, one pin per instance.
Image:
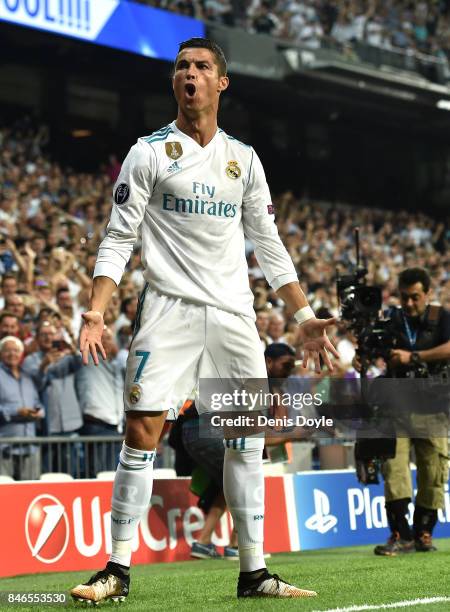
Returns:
(194, 205)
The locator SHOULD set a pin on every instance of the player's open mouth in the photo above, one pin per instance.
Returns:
(190, 89)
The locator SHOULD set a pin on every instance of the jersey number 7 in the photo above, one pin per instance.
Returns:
(144, 355)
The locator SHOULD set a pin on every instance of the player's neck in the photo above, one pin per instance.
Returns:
(201, 129)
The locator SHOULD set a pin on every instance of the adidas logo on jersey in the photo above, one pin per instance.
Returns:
(175, 167)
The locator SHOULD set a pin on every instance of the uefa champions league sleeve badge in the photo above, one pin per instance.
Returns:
(121, 194)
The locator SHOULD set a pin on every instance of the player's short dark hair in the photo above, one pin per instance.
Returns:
(206, 43)
(411, 276)
(278, 349)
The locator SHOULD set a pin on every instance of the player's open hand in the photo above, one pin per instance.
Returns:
(91, 336)
(316, 343)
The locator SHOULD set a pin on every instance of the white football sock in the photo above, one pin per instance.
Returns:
(243, 485)
(131, 497)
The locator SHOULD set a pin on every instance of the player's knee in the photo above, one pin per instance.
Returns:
(142, 430)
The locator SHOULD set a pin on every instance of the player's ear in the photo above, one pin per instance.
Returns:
(223, 83)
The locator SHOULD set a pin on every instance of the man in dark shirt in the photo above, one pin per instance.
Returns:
(423, 344)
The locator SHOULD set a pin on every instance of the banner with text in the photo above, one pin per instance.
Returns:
(54, 527)
(113, 23)
(333, 509)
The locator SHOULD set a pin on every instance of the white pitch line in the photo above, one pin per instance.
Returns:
(397, 604)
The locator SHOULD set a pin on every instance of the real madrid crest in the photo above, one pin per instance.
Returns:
(174, 150)
(233, 171)
(135, 394)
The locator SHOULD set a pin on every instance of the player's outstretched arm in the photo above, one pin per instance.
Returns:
(93, 324)
(313, 333)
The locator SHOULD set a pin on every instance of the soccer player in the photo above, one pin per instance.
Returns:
(193, 191)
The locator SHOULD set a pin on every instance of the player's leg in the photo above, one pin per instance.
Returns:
(132, 492)
(244, 492)
(243, 482)
(234, 352)
(171, 333)
(133, 482)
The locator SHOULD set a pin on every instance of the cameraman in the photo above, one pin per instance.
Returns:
(422, 335)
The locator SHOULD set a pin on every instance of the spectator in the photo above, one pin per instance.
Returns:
(9, 324)
(219, 10)
(20, 410)
(311, 34)
(8, 287)
(276, 328)
(100, 392)
(14, 303)
(68, 311)
(262, 325)
(265, 22)
(410, 26)
(128, 311)
(52, 368)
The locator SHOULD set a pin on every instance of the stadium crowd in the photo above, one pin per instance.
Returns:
(411, 26)
(51, 222)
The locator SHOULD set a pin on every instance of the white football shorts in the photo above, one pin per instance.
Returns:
(176, 343)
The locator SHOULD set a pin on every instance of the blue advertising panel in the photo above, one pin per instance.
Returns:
(333, 510)
(113, 23)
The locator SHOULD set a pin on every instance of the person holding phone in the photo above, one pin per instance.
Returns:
(20, 411)
(53, 367)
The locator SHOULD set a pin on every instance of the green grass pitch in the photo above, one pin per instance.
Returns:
(342, 577)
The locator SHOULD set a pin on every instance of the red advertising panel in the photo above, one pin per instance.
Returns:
(66, 526)
(276, 529)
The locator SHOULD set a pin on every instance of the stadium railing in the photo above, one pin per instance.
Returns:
(79, 456)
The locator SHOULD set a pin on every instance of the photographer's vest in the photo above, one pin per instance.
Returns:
(426, 335)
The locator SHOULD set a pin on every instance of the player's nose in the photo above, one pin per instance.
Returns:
(191, 72)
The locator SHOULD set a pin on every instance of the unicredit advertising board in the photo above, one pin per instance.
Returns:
(66, 526)
(113, 23)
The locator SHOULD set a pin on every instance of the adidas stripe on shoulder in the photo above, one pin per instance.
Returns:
(159, 135)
